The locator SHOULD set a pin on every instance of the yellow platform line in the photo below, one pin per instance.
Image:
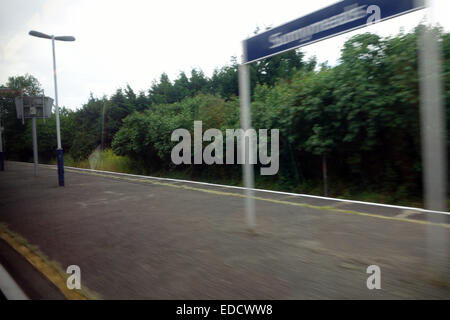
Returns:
(42, 264)
(232, 194)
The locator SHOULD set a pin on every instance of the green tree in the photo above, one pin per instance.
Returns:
(14, 131)
(162, 92)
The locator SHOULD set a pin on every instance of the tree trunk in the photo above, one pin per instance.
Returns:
(325, 177)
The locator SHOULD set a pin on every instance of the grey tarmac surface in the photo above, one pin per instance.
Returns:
(135, 239)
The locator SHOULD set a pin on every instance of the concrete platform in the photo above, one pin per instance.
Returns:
(137, 238)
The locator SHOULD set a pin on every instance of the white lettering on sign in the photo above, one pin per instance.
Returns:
(350, 14)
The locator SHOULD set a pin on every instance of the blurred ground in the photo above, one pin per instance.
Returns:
(150, 239)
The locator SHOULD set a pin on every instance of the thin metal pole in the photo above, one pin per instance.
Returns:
(103, 124)
(433, 136)
(248, 175)
(432, 120)
(35, 147)
(103, 130)
(59, 149)
(58, 133)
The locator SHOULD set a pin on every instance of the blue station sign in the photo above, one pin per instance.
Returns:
(344, 16)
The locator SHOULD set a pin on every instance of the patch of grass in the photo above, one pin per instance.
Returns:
(106, 161)
(112, 162)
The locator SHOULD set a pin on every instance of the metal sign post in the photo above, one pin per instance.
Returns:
(432, 120)
(35, 147)
(33, 107)
(339, 18)
(434, 154)
(248, 175)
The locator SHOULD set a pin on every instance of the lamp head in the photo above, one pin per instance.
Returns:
(39, 34)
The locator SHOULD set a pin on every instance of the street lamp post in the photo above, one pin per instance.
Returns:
(59, 149)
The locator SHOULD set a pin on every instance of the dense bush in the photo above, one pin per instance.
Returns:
(359, 120)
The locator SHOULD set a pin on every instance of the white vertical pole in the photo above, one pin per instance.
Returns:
(59, 150)
(432, 119)
(58, 133)
(248, 175)
(35, 147)
(433, 135)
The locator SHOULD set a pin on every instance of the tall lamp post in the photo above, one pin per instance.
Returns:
(59, 150)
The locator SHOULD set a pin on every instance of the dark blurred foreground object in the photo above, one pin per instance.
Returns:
(434, 161)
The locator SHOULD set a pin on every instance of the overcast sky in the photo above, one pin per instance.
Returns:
(132, 41)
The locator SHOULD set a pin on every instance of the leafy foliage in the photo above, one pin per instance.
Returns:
(362, 115)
